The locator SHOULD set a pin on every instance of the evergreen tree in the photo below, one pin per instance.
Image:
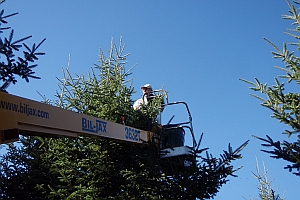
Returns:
(15, 172)
(265, 189)
(284, 105)
(93, 168)
(11, 66)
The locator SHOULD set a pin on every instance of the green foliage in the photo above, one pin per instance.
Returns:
(26, 168)
(93, 168)
(285, 106)
(265, 190)
(107, 95)
(11, 66)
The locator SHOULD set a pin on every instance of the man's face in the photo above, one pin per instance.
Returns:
(146, 90)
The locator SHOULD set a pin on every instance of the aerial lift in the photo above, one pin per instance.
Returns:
(21, 116)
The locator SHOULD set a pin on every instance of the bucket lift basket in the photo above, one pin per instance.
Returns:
(173, 136)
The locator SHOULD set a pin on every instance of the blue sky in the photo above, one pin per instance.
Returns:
(197, 49)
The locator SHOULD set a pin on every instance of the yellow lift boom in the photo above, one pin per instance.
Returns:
(24, 116)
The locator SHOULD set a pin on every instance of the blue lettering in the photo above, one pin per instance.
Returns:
(84, 125)
(104, 127)
(88, 125)
(132, 134)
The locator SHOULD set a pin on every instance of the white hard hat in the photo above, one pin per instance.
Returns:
(148, 86)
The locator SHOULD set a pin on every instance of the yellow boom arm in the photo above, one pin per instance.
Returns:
(24, 116)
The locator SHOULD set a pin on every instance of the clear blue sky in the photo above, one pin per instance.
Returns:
(197, 49)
